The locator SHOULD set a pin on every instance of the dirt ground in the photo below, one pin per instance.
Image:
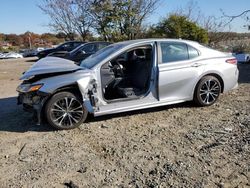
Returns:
(172, 146)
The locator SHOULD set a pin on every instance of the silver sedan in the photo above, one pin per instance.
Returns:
(126, 76)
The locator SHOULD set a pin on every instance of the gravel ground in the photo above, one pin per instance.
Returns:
(172, 146)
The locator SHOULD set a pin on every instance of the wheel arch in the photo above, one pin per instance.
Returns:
(219, 78)
(197, 97)
(70, 88)
(210, 74)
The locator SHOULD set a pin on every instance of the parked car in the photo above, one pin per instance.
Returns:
(126, 76)
(31, 52)
(81, 52)
(11, 55)
(242, 57)
(2, 55)
(67, 46)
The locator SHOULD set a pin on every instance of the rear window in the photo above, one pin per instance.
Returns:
(193, 53)
(176, 51)
(172, 52)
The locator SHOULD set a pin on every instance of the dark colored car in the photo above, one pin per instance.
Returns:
(81, 52)
(67, 46)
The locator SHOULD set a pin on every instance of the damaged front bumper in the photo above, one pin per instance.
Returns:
(32, 102)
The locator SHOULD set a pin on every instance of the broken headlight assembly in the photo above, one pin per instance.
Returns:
(25, 88)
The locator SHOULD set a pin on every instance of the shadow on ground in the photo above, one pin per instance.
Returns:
(14, 119)
(32, 60)
(142, 111)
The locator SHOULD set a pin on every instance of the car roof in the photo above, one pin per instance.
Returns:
(94, 42)
(138, 41)
(74, 42)
(97, 42)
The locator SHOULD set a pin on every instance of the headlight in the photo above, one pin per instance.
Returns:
(24, 88)
(35, 87)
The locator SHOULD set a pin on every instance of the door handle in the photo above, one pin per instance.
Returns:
(196, 65)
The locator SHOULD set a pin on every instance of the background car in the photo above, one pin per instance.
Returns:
(31, 52)
(126, 76)
(3, 54)
(11, 55)
(81, 52)
(67, 46)
(242, 57)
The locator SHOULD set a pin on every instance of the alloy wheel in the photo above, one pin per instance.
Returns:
(66, 112)
(209, 91)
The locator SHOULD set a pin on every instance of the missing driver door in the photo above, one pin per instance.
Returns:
(133, 87)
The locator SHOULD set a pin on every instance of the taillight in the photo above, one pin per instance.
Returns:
(232, 61)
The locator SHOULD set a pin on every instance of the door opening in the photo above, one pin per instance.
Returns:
(128, 75)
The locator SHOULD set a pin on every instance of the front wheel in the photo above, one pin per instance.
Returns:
(207, 91)
(65, 110)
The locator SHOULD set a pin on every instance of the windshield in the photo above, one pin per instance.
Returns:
(96, 58)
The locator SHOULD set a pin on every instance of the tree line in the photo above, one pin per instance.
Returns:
(31, 40)
(117, 20)
(112, 20)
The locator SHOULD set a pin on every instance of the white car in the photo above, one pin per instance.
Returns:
(126, 76)
(31, 52)
(13, 55)
(1, 55)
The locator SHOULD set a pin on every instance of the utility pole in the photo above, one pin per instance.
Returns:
(29, 35)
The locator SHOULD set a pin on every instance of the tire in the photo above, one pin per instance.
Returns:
(207, 91)
(65, 110)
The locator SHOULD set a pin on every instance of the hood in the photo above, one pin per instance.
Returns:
(50, 65)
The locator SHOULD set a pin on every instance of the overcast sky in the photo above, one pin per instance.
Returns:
(19, 16)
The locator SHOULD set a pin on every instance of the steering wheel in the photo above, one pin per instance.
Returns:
(118, 68)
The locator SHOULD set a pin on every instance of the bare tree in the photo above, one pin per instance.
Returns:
(136, 12)
(193, 12)
(102, 11)
(60, 15)
(68, 16)
(112, 19)
(83, 19)
(245, 15)
(215, 26)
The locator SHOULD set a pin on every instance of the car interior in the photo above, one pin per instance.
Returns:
(128, 75)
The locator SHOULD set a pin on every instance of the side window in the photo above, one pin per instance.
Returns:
(67, 46)
(192, 52)
(102, 45)
(89, 48)
(75, 44)
(172, 52)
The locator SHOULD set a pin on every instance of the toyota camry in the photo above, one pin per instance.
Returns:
(126, 76)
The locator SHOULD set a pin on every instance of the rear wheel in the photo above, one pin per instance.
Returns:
(207, 91)
(65, 110)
